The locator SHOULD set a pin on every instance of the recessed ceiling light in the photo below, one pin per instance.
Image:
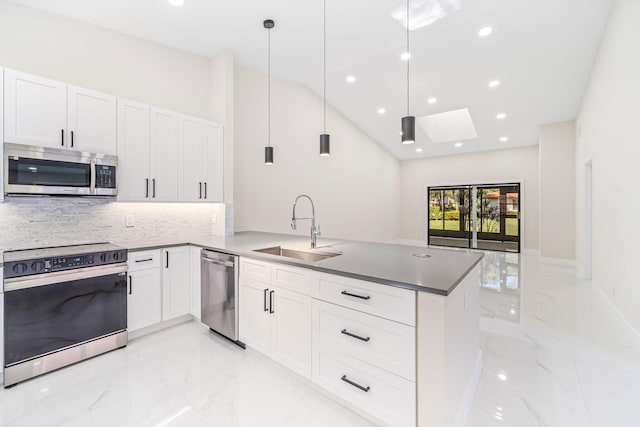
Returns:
(405, 56)
(432, 100)
(494, 83)
(351, 79)
(381, 111)
(485, 31)
(504, 139)
(418, 150)
(501, 116)
(176, 2)
(458, 144)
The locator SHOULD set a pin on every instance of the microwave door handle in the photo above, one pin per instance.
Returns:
(92, 165)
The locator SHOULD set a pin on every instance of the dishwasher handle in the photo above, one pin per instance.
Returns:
(213, 261)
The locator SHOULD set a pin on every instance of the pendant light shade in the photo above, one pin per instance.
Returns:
(408, 122)
(325, 145)
(268, 150)
(408, 130)
(268, 155)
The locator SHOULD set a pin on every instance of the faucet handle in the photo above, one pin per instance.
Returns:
(293, 223)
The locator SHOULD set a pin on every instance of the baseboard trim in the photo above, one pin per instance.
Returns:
(616, 309)
(563, 262)
(159, 326)
(469, 395)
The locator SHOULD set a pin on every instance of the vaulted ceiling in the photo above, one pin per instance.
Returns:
(541, 52)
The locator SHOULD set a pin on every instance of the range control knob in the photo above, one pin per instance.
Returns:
(37, 266)
(104, 257)
(117, 256)
(20, 268)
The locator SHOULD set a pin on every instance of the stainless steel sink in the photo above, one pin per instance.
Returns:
(293, 253)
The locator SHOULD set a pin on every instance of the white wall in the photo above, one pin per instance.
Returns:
(355, 190)
(222, 97)
(557, 190)
(85, 55)
(608, 129)
(493, 167)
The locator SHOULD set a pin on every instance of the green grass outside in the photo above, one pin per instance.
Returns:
(511, 225)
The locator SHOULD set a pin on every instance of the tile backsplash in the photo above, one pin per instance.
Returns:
(29, 222)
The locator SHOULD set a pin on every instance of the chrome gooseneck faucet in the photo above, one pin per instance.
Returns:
(315, 231)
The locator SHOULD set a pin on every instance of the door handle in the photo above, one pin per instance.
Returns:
(167, 262)
(130, 285)
(153, 184)
(271, 310)
(200, 190)
(224, 263)
(265, 300)
(72, 138)
(146, 188)
(358, 337)
(62, 137)
(205, 190)
(355, 384)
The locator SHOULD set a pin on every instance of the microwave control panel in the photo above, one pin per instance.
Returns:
(105, 176)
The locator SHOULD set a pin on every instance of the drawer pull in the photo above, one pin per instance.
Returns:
(144, 260)
(355, 295)
(358, 337)
(348, 381)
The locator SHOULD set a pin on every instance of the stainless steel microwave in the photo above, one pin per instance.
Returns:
(54, 171)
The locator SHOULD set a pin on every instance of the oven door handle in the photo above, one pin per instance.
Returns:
(62, 276)
(92, 185)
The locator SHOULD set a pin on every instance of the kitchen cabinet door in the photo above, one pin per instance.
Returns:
(133, 151)
(91, 121)
(213, 178)
(164, 156)
(1, 135)
(144, 301)
(196, 284)
(291, 330)
(176, 282)
(191, 159)
(254, 315)
(35, 110)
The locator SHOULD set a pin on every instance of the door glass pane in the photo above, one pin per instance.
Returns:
(512, 227)
(436, 217)
(489, 210)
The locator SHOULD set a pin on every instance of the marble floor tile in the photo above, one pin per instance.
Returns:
(555, 354)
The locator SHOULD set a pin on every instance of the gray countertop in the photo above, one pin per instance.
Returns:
(389, 264)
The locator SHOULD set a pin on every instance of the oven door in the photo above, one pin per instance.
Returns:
(49, 312)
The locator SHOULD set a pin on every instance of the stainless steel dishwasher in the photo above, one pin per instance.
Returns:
(219, 293)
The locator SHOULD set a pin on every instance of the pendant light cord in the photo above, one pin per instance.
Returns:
(409, 57)
(324, 60)
(269, 86)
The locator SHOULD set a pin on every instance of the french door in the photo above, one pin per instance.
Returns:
(483, 216)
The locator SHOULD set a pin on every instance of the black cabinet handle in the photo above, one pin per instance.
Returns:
(355, 295)
(265, 300)
(358, 337)
(72, 138)
(167, 263)
(271, 311)
(348, 381)
(144, 260)
(146, 187)
(200, 190)
(130, 285)
(153, 185)
(205, 190)
(62, 137)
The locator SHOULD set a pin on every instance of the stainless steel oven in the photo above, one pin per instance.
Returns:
(54, 171)
(62, 305)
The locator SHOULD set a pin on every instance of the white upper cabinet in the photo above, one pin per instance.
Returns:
(1, 133)
(91, 121)
(200, 177)
(133, 151)
(164, 155)
(35, 110)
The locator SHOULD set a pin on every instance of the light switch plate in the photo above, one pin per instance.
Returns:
(130, 221)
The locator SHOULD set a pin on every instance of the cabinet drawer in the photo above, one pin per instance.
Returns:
(379, 342)
(143, 260)
(292, 278)
(384, 395)
(373, 298)
(256, 270)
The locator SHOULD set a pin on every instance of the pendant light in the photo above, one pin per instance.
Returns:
(268, 150)
(408, 122)
(325, 138)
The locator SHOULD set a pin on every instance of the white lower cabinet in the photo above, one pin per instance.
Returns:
(144, 302)
(255, 326)
(196, 284)
(176, 282)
